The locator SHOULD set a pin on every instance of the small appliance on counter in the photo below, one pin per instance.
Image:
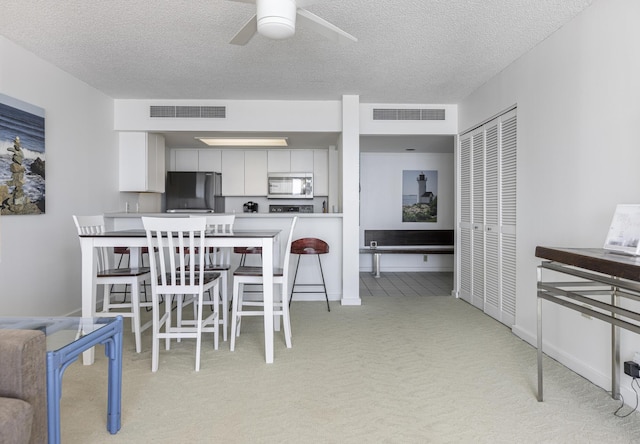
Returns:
(250, 207)
(290, 208)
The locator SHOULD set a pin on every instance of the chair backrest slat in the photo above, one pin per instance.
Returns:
(219, 224)
(175, 242)
(287, 250)
(93, 225)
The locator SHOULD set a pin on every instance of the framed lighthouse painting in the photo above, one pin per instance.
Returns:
(419, 196)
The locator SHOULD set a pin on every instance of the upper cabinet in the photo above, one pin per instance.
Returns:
(232, 173)
(290, 161)
(244, 172)
(141, 162)
(320, 172)
(279, 161)
(302, 161)
(209, 160)
(197, 160)
(255, 173)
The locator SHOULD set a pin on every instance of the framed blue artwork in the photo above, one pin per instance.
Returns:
(22, 157)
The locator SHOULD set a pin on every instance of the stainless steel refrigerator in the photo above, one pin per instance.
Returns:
(194, 191)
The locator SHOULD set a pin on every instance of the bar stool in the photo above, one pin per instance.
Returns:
(243, 251)
(309, 245)
(123, 253)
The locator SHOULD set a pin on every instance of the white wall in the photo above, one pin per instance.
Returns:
(242, 115)
(40, 267)
(578, 155)
(381, 204)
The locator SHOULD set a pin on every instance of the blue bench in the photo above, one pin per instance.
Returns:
(379, 242)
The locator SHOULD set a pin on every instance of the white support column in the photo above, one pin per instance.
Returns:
(350, 160)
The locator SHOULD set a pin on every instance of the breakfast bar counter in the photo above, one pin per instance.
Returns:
(326, 226)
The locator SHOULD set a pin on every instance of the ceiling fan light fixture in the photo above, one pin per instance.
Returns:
(276, 18)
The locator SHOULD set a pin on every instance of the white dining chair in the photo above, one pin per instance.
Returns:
(107, 277)
(177, 272)
(244, 275)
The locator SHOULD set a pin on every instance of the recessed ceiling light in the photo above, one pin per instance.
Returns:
(244, 141)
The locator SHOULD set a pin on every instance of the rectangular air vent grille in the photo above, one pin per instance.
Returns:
(408, 114)
(189, 112)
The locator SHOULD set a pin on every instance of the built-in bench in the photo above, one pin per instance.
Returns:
(379, 242)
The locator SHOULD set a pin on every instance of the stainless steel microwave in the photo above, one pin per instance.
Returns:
(290, 185)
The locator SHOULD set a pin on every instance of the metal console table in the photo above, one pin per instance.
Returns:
(596, 273)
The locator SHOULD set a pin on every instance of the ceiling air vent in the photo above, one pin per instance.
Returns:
(408, 114)
(189, 112)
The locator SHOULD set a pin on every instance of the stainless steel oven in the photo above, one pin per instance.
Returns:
(290, 208)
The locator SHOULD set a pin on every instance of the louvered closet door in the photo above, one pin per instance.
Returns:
(477, 218)
(487, 217)
(464, 249)
(508, 165)
(492, 221)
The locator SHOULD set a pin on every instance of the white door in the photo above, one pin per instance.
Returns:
(487, 217)
(464, 224)
(477, 218)
(508, 182)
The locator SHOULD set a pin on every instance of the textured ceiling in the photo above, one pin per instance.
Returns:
(408, 51)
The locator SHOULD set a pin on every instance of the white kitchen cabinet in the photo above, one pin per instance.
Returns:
(185, 160)
(141, 162)
(210, 160)
(232, 172)
(197, 160)
(255, 173)
(279, 161)
(320, 173)
(301, 161)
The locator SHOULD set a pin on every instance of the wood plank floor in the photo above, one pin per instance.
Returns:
(406, 284)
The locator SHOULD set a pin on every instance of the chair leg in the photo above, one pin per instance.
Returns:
(234, 315)
(155, 346)
(167, 322)
(225, 303)
(135, 309)
(216, 313)
(199, 318)
(326, 296)
(286, 320)
(293, 286)
(106, 298)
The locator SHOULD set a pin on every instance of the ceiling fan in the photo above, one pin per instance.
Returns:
(276, 19)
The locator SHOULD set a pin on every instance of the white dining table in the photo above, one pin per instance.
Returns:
(136, 239)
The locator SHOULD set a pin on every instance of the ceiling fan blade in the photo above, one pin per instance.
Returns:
(323, 27)
(246, 32)
(304, 3)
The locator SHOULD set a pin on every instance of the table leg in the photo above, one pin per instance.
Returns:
(540, 396)
(54, 391)
(615, 350)
(89, 272)
(113, 350)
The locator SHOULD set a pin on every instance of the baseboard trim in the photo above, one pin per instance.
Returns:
(576, 365)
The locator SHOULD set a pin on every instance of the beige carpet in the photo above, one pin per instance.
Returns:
(404, 369)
